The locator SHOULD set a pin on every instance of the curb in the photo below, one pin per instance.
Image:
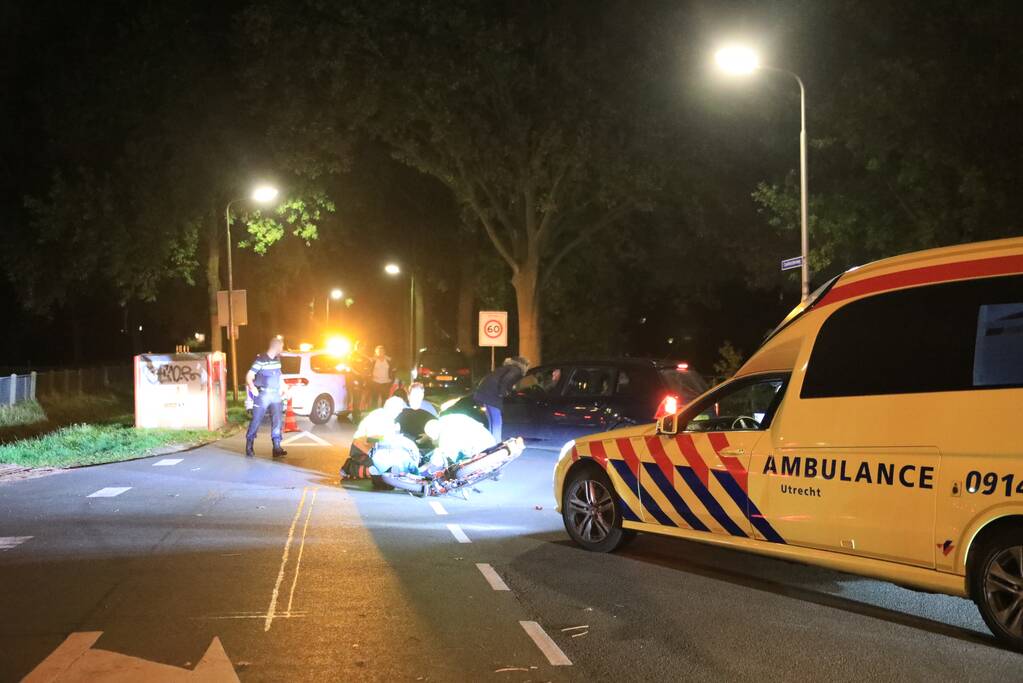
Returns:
(10, 473)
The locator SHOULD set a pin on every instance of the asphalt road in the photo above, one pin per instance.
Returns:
(299, 578)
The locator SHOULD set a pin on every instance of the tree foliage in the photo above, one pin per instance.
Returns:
(916, 142)
(523, 110)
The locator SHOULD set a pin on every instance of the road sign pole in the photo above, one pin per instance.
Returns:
(492, 359)
(230, 306)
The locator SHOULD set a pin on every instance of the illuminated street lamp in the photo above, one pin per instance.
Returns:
(743, 61)
(336, 295)
(261, 194)
(394, 270)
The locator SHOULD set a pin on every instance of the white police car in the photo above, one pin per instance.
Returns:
(316, 384)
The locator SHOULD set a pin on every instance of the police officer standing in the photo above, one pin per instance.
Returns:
(264, 382)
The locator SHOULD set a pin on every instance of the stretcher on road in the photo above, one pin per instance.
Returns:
(487, 464)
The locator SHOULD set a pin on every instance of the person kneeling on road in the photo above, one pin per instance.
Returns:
(264, 382)
(457, 437)
(375, 427)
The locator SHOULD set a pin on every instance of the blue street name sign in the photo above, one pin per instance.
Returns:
(792, 263)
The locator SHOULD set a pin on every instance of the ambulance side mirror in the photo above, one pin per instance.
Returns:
(668, 425)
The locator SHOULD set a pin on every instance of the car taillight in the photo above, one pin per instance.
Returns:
(669, 406)
(424, 372)
(301, 381)
(464, 372)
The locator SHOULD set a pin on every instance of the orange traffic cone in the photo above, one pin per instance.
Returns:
(290, 423)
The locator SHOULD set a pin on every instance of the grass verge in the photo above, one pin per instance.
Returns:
(92, 444)
(25, 413)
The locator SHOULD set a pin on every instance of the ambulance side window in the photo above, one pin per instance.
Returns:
(747, 406)
(952, 336)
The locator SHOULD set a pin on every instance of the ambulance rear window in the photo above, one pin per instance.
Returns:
(952, 336)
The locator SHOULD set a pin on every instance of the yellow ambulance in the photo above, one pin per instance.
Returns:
(876, 431)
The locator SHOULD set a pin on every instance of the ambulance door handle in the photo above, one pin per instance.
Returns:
(732, 451)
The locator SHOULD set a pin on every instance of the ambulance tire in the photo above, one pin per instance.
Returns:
(996, 585)
(592, 512)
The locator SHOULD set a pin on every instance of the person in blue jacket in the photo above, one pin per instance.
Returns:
(494, 387)
(264, 382)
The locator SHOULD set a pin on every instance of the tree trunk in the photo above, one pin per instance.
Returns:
(213, 277)
(528, 303)
(464, 327)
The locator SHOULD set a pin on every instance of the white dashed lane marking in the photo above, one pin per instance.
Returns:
(109, 492)
(547, 646)
(8, 542)
(437, 507)
(495, 581)
(167, 462)
(457, 532)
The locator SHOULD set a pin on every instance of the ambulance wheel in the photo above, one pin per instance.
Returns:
(322, 410)
(996, 585)
(592, 513)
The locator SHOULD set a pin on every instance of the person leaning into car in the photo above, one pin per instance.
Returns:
(495, 386)
(264, 382)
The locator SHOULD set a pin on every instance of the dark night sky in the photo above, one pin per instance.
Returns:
(386, 211)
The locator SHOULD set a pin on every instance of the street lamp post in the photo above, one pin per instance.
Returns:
(263, 194)
(393, 269)
(336, 295)
(744, 61)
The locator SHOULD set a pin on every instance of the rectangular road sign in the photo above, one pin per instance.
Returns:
(493, 328)
(792, 263)
(241, 310)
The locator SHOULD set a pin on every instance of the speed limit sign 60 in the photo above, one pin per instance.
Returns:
(493, 328)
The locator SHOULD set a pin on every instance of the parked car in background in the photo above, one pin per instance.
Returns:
(556, 403)
(443, 370)
(317, 384)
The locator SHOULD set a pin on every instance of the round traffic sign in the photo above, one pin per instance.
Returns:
(493, 329)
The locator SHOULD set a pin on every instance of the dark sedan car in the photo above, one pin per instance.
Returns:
(443, 370)
(555, 403)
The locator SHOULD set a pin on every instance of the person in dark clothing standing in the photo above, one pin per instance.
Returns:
(494, 387)
(264, 381)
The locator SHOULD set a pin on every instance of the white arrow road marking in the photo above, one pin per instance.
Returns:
(319, 441)
(495, 581)
(8, 542)
(167, 462)
(547, 646)
(75, 660)
(459, 535)
(438, 508)
(109, 492)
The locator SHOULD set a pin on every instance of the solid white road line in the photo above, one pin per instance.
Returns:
(109, 492)
(301, 549)
(8, 542)
(438, 508)
(272, 609)
(547, 646)
(167, 462)
(457, 532)
(495, 581)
